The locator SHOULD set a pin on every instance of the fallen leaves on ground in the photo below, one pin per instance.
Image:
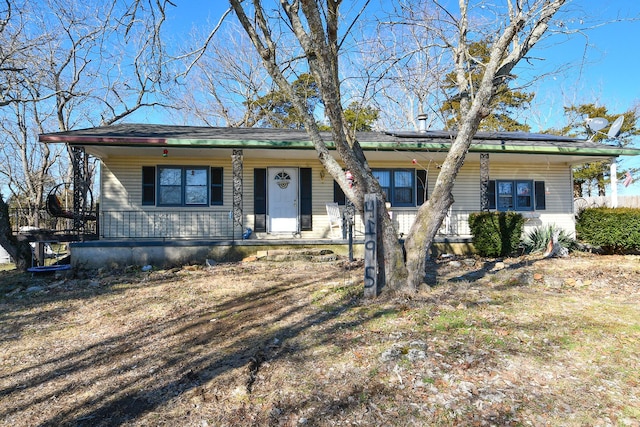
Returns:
(532, 342)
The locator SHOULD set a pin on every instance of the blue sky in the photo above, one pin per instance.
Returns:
(596, 66)
(602, 62)
(602, 68)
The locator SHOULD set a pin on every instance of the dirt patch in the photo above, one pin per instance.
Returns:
(524, 341)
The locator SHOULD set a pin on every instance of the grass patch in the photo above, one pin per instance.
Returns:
(451, 321)
(274, 344)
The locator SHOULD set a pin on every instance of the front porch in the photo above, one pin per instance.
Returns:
(149, 238)
(110, 254)
(219, 225)
(166, 238)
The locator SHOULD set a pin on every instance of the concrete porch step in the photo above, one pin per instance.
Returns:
(306, 254)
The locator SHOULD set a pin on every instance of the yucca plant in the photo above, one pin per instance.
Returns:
(537, 240)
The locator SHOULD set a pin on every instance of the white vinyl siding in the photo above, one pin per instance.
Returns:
(123, 215)
(121, 189)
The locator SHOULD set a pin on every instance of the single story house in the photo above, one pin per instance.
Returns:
(173, 192)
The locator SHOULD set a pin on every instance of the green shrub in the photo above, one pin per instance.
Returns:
(614, 230)
(496, 233)
(538, 238)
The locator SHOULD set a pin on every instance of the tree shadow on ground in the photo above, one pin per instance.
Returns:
(157, 361)
(213, 351)
(439, 271)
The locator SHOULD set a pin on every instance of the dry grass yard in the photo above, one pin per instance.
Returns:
(527, 341)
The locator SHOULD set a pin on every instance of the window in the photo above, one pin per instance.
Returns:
(402, 190)
(183, 186)
(195, 189)
(398, 185)
(514, 195)
(169, 186)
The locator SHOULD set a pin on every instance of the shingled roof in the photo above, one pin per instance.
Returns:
(225, 137)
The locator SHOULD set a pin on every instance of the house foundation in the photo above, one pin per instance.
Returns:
(97, 254)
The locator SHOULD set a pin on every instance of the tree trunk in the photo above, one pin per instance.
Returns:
(577, 188)
(602, 191)
(431, 214)
(394, 271)
(307, 20)
(18, 250)
(421, 236)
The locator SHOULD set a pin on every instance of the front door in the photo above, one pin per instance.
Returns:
(282, 200)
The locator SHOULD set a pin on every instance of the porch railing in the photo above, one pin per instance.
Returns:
(24, 219)
(189, 224)
(206, 224)
(456, 223)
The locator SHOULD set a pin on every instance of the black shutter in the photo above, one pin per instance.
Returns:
(541, 198)
(217, 186)
(260, 199)
(338, 194)
(491, 194)
(149, 185)
(306, 206)
(421, 187)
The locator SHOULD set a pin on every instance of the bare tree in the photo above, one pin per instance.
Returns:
(224, 81)
(316, 28)
(73, 64)
(18, 46)
(27, 166)
(404, 81)
(520, 27)
(517, 28)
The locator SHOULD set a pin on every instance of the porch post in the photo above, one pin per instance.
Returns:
(484, 182)
(237, 165)
(614, 183)
(80, 189)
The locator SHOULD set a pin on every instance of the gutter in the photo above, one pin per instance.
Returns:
(476, 147)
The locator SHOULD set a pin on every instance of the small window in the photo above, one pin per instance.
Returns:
(169, 186)
(182, 186)
(384, 179)
(195, 189)
(398, 185)
(403, 187)
(514, 195)
(524, 195)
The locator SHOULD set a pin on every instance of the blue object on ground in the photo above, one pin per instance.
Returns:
(49, 268)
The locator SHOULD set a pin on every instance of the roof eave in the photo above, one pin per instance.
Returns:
(438, 146)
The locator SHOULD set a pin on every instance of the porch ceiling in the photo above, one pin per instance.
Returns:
(106, 152)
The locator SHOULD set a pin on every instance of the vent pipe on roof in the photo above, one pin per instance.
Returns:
(422, 123)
